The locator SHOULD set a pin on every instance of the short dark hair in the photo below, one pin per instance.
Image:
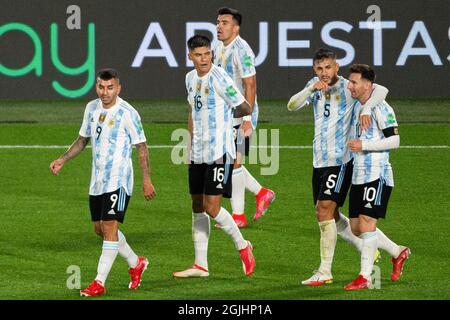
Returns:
(108, 74)
(236, 15)
(364, 70)
(198, 41)
(324, 53)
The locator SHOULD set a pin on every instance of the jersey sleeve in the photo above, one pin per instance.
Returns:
(189, 88)
(244, 59)
(133, 126)
(85, 130)
(226, 88)
(311, 97)
(385, 117)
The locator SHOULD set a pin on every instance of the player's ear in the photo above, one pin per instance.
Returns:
(337, 67)
(119, 88)
(190, 56)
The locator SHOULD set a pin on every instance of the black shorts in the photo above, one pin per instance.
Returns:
(109, 206)
(242, 144)
(211, 179)
(370, 199)
(332, 183)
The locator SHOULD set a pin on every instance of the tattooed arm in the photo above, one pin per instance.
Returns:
(75, 149)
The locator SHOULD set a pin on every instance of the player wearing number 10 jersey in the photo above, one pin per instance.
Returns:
(332, 163)
(112, 126)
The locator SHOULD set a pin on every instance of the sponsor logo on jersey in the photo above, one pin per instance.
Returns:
(248, 61)
(231, 91)
(390, 118)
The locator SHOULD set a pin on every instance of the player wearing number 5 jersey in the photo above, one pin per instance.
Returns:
(113, 127)
(214, 101)
(372, 180)
(332, 164)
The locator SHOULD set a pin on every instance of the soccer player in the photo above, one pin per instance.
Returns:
(214, 100)
(113, 126)
(372, 179)
(235, 56)
(332, 163)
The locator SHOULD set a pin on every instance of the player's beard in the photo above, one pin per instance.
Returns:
(333, 80)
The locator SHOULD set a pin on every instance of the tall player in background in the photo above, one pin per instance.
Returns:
(213, 100)
(332, 162)
(372, 180)
(235, 56)
(113, 126)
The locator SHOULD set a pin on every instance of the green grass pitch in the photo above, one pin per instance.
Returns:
(46, 224)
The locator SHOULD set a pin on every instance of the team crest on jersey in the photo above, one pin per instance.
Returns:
(327, 95)
(199, 87)
(102, 117)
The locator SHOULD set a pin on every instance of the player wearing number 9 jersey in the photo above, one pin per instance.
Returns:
(214, 101)
(332, 164)
(112, 126)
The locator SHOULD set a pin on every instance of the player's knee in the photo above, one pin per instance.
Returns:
(109, 230)
(98, 230)
(324, 211)
(212, 209)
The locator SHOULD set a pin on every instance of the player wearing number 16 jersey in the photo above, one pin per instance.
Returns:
(112, 126)
(213, 101)
(332, 164)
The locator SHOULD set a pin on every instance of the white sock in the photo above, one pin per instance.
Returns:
(368, 253)
(383, 242)
(250, 183)
(126, 252)
(109, 254)
(345, 231)
(200, 235)
(238, 191)
(328, 237)
(387, 244)
(229, 226)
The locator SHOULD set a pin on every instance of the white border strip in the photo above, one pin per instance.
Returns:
(178, 146)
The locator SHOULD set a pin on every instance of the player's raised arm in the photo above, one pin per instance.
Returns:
(144, 162)
(300, 99)
(379, 93)
(75, 149)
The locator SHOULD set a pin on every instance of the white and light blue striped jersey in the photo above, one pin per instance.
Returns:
(112, 132)
(212, 99)
(332, 117)
(238, 60)
(369, 166)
